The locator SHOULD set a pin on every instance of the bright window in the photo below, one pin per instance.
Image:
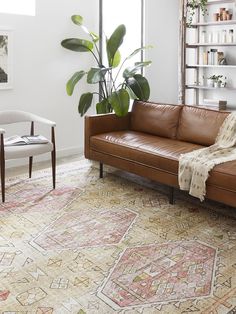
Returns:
(24, 7)
(126, 12)
(129, 13)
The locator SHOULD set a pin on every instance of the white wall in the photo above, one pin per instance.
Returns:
(162, 32)
(41, 66)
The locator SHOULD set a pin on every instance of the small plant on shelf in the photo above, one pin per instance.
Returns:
(192, 5)
(217, 81)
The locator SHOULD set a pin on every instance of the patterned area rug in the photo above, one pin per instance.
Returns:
(111, 246)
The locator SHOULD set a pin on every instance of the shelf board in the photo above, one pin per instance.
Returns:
(210, 44)
(220, 2)
(230, 22)
(210, 88)
(193, 66)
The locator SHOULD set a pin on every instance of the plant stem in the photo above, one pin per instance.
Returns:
(120, 70)
(99, 94)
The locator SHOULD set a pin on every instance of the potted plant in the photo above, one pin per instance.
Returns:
(210, 81)
(113, 95)
(192, 5)
(216, 81)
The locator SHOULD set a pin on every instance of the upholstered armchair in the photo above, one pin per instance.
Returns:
(29, 150)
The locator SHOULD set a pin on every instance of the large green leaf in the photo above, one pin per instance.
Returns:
(120, 102)
(103, 106)
(73, 81)
(114, 42)
(139, 86)
(131, 93)
(136, 51)
(129, 72)
(116, 60)
(77, 19)
(84, 103)
(76, 44)
(96, 75)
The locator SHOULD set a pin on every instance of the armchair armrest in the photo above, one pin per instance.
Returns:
(39, 119)
(103, 123)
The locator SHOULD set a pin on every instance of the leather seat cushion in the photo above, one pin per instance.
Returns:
(158, 152)
(151, 150)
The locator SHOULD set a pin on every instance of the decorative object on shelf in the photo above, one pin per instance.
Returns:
(210, 37)
(231, 36)
(215, 104)
(5, 59)
(203, 37)
(223, 15)
(114, 96)
(216, 81)
(213, 57)
(224, 36)
(192, 5)
(210, 82)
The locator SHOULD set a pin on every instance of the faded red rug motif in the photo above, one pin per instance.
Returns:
(111, 246)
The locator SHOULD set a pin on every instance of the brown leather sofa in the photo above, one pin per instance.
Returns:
(150, 139)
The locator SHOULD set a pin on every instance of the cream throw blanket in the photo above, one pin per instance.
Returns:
(194, 167)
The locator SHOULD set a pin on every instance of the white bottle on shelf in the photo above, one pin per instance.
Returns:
(231, 36)
(210, 37)
(216, 37)
(203, 37)
(223, 36)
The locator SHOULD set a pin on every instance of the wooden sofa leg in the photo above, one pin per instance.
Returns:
(101, 170)
(171, 195)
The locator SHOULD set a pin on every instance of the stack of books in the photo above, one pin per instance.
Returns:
(215, 104)
(213, 57)
(16, 140)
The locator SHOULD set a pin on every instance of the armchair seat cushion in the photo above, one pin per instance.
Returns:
(152, 150)
(21, 151)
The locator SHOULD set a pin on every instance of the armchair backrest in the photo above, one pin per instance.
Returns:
(14, 116)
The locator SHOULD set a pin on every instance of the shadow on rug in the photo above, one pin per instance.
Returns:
(112, 245)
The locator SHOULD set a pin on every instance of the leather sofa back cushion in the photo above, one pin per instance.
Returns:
(199, 125)
(156, 119)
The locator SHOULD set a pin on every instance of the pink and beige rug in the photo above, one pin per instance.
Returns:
(111, 246)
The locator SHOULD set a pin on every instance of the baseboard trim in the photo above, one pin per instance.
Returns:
(66, 152)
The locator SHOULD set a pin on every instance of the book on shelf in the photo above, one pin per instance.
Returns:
(215, 104)
(213, 57)
(16, 140)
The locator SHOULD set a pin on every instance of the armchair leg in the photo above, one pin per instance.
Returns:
(31, 158)
(53, 155)
(101, 170)
(2, 169)
(30, 166)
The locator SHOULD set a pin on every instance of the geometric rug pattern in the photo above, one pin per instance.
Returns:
(112, 245)
(169, 271)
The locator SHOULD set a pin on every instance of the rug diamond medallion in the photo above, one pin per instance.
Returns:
(161, 273)
(87, 228)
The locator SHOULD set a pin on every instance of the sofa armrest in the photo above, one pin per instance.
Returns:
(103, 123)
